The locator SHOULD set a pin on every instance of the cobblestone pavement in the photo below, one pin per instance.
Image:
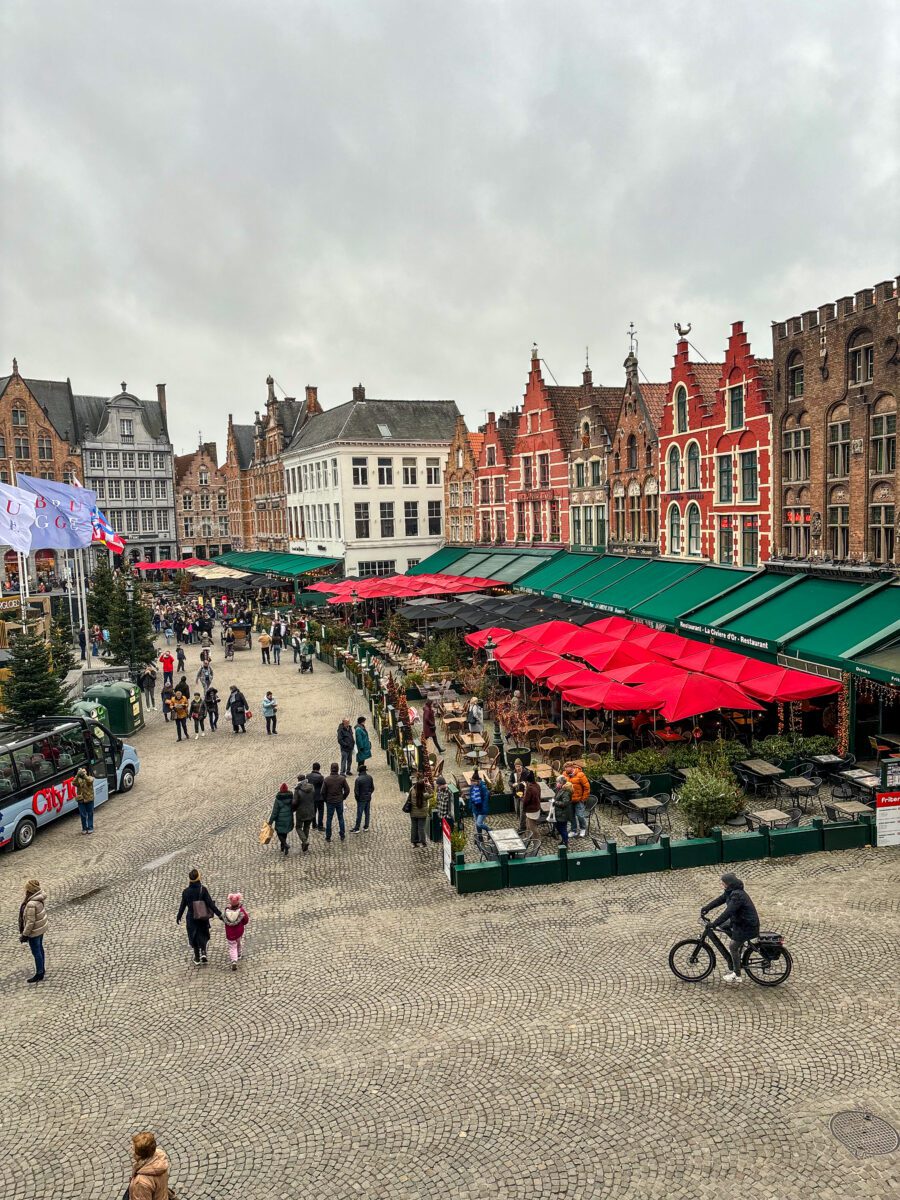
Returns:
(386, 1038)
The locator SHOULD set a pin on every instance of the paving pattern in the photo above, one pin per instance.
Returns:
(386, 1038)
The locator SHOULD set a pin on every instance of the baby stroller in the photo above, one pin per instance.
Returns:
(306, 663)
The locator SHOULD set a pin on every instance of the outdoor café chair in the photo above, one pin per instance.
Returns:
(599, 842)
(662, 813)
(831, 812)
(590, 810)
(795, 815)
(843, 791)
(879, 748)
(532, 847)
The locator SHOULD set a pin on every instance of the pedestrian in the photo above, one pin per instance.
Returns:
(417, 799)
(282, 818)
(96, 639)
(181, 707)
(740, 921)
(33, 925)
(277, 643)
(236, 921)
(182, 688)
(363, 787)
(443, 798)
(204, 676)
(179, 654)
(335, 791)
(563, 809)
(198, 715)
(82, 643)
(531, 805)
(157, 618)
(200, 908)
(346, 743)
(304, 810)
(475, 716)
(168, 663)
(84, 796)
(429, 726)
(296, 645)
(149, 1170)
(363, 743)
(166, 695)
(265, 643)
(270, 712)
(478, 803)
(316, 778)
(518, 779)
(581, 790)
(212, 707)
(147, 682)
(236, 704)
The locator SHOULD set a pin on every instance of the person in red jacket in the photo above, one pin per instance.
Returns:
(168, 663)
(581, 790)
(236, 921)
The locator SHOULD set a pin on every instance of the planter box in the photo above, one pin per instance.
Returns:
(478, 877)
(526, 872)
(744, 846)
(590, 864)
(512, 753)
(413, 693)
(662, 783)
(845, 835)
(635, 860)
(695, 852)
(794, 841)
(500, 802)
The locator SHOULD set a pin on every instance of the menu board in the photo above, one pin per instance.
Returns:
(448, 852)
(890, 772)
(887, 818)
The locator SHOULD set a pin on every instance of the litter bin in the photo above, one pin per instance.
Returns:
(123, 704)
(93, 709)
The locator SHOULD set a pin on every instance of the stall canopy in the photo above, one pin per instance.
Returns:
(271, 562)
(347, 591)
(172, 564)
(506, 564)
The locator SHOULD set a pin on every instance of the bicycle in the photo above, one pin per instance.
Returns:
(765, 958)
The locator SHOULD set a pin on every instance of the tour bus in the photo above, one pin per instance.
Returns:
(37, 772)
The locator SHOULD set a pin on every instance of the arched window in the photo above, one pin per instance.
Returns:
(693, 531)
(839, 442)
(616, 462)
(861, 357)
(632, 453)
(795, 376)
(674, 529)
(585, 434)
(693, 467)
(673, 471)
(881, 523)
(795, 449)
(648, 456)
(681, 415)
(883, 437)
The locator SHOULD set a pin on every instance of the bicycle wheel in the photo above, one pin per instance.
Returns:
(767, 972)
(691, 960)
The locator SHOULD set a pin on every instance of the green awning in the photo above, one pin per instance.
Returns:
(621, 594)
(594, 580)
(271, 562)
(883, 664)
(510, 569)
(470, 563)
(688, 592)
(755, 588)
(851, 639)
(441, 560)
(545, 578)
(767, 624)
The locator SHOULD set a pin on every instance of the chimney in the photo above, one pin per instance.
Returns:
(587, 377)
(491, 418)
(359, 392)
(161, 398)
(312, 400)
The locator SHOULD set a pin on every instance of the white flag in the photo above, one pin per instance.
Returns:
(17, 513)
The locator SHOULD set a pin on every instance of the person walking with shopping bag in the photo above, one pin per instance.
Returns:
(282, 818)
(200, 908)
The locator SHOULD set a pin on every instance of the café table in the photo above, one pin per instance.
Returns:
(542, 771)
(621, 783)
(771, 816)
(759, 766)
(892, 739)
(473, 739)
(507, 841)
(644, 804)
(861, 778)
(796, 787)
(826, 760)
(851, 808)
(637, 830)
(476, 755)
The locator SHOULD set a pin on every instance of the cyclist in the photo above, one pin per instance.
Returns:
(740, 921)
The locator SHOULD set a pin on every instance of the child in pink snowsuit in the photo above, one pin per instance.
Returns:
(236, 921)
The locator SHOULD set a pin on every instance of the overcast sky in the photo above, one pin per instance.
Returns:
(409, 193)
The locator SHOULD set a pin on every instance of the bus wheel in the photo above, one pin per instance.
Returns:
(127, 781)
(24, 834)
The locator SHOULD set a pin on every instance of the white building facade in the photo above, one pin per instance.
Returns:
(365, 483)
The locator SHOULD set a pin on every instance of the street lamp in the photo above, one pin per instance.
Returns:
(354, 596)
(489, 647)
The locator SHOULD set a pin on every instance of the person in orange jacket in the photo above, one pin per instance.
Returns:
(581, 790)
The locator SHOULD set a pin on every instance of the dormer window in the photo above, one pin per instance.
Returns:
(19, 416)
(862, 358)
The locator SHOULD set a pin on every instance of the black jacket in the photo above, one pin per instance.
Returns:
(304, 801)
(363, 788)
(195, 891)
(346, 738)
(740, 917)
(316, 778)
(335, 789)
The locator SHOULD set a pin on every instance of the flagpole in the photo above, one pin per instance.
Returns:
(19, 557)
(82, 601)
(69, 582)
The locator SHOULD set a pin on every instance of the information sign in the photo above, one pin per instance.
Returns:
(887, 818)
(448, 849)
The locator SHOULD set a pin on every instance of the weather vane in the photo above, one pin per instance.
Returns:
(632, 337)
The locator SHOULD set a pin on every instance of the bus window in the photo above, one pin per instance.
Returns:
(72, 752)
(7, 777)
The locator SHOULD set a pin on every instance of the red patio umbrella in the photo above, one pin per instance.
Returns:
(664, 644)
(619, 654)
(539, 663)
(716, 660)
(566, 672)
(784, 684)
(690, 694)
(645, 672)
(552, 635)
(480, 637)
(617, 627)
(602, 692)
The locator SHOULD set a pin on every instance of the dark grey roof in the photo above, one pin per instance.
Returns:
(359, 421)
(92, 414)
(55, 397)
(243, 441)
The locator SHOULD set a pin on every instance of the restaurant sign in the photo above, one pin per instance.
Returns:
(887, 818)
(448, 850)
(727, 636)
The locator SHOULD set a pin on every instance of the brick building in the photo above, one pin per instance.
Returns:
(715, 457)
(633, 465)
(38, 436)
(236, 470)
(537, 489)
(492, 475)
(459, 483)
(598, 408)
(201, 504)
(837, 374)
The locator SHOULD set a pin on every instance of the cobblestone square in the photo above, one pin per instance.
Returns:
(386, 1038)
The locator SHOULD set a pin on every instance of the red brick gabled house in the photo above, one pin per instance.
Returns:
(537, 490)
(715, 457)
(491, 476)
(633, 465)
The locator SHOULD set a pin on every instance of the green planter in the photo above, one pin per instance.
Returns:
(636, 860)
(413, 693)
(845, 835)
(663, 783)
(477, 877)
(695, 852)
(744, 846)
(526, 872)
(514, 752)
(795, 841)
(500, 802)
(590, 864)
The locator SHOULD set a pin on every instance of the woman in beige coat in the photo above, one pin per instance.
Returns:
(33, 925)
(150, 1173)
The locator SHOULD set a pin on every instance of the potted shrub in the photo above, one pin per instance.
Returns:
(708, 798)
(412, 682)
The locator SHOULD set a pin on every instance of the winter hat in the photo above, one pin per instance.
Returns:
(31, 887)
(284, 788)
(235, 899)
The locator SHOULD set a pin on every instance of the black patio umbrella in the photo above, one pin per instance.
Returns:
(458, 622)
(426, 612)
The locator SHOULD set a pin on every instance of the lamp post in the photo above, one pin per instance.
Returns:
(489, 647)
(354, 596)
(129, 594)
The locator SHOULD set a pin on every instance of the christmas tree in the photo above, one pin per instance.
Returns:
(33, 689)
(61, 649)
(130, 628)
(100, 597)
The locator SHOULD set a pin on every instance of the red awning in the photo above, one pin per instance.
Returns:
(785, 684)
(691, 694)
(171, 564)
(479, 639)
